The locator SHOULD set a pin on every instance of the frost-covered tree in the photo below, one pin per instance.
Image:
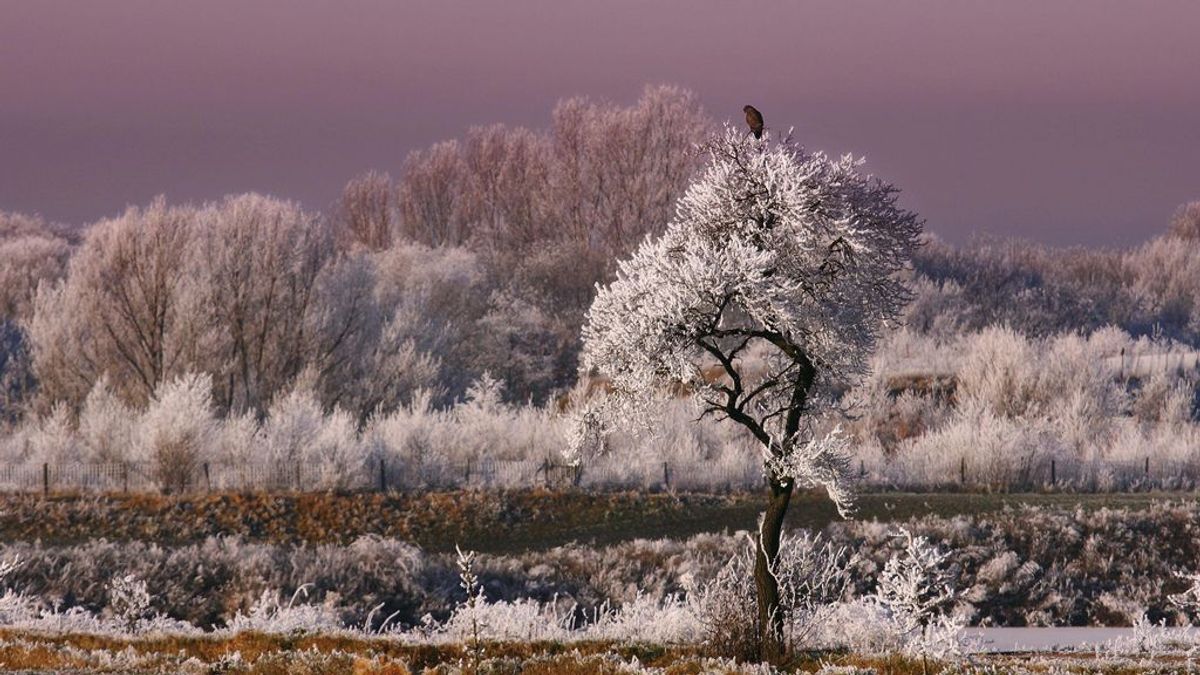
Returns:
(1185, 223)
(127, 308)
(31, 251)
(547, 213)
(789, 256)
(260, 261)
(366, 214)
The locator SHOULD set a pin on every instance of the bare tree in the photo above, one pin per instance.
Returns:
(428, 196)
(121, 309)
(616, 172)
(258, 262)
(1185, 223)
(30, 252)
(366, 214)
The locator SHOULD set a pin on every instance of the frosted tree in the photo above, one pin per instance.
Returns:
(1185, 224)
(780, 268)
(366, 214)
(260, 261)
(30, 252)
(127, 307)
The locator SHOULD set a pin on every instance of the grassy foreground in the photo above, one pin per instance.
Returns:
(493, 522)
(315, 654)
(271, 654)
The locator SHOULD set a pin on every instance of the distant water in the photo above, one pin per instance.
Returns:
(1001, 640)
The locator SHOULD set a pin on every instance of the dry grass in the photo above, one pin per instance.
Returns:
(321, 654)
(258, 653)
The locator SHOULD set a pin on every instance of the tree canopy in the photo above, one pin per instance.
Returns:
(780, 267)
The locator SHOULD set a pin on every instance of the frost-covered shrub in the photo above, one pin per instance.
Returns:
(1165, 398)
(128, 601)
(238, 440)
(999, 371)
(47, 439)
(990, 450)
(175, 433)
(728, 609)
(476, 619)
(812, 574)
(917, 588)
(479, 429)
(106, 425)
(518, 620)
(298, 432)
(997, 408)
(15, 607)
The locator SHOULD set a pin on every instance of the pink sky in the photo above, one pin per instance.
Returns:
(1067, 122)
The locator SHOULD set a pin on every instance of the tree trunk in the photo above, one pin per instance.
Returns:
(770, 617)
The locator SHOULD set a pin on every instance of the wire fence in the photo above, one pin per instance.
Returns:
(1034, 473)
(379, 475)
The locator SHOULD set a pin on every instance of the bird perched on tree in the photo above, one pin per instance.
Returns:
(754, 119)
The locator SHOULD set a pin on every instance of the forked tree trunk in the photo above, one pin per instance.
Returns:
(770, 616)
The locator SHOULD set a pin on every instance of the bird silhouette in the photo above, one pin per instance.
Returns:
(754, 119)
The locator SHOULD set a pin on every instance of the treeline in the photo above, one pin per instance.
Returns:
(481, 258)
(1153, 289)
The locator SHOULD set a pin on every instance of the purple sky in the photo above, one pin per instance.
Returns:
(1067, 122)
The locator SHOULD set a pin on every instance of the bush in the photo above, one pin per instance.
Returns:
(175, 434)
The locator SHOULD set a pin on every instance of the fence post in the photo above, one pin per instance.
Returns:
(467, 474)
(546, 471)
(1147, 467)
(207, 478)
(862, 470)
(45, 479)
(666, 475)
(1053, 473)
(297, 475)
(382, 475)
(962, 470)
(125, 477)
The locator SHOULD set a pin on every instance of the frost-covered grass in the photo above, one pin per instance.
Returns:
(260, 653)
(867, 591)
(274, 654)
(1021, 566)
